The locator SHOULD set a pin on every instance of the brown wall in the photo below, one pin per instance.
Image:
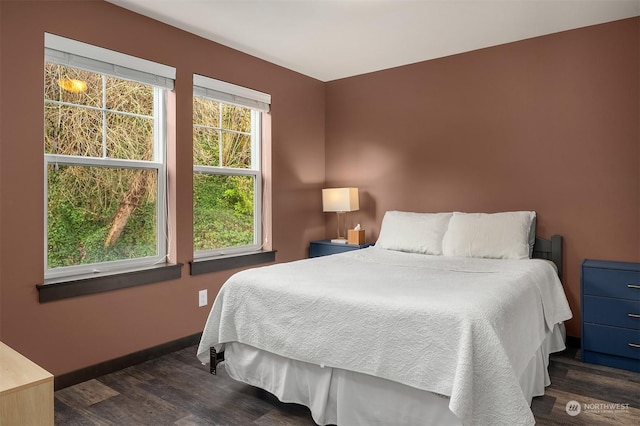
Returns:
(549, 124)
(67, 335)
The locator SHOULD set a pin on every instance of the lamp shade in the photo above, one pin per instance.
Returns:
(340, 199)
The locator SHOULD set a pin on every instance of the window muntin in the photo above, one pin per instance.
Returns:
(227, 186)
(105, 172)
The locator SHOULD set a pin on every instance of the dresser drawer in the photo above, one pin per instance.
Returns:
(611, 340)
(607, 311)
(611, 283)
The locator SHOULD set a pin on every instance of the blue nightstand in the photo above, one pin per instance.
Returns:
(326, 247)
(611, 313)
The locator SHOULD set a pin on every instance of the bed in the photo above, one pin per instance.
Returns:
(449, 319)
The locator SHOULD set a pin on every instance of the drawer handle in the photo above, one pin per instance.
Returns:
(633, 286)
(634, 316)
(634, 345)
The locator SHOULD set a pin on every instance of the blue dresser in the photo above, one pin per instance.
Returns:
(610, 300)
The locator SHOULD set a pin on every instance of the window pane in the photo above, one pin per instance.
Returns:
(90, 128)
(98, 214)
(72, 130)
(206, 147)
(129, 96)
(129, 137)
(72, 85)
(236, 150)
(223, 211)
(206, 112)
(236, 118)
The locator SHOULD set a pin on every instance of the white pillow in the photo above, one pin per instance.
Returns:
(413, 232)
(490, 235)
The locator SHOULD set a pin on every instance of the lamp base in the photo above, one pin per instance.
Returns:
(339, 240)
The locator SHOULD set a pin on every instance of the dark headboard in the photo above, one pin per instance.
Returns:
(549, 250)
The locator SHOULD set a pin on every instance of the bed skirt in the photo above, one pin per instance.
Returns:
(337, 396)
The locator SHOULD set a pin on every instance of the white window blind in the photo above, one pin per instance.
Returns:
(85, 56)
(230, 93)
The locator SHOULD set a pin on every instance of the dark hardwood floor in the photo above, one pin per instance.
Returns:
(177, 390)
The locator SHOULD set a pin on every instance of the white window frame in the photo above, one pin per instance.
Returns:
(258, 102)
(95, 59)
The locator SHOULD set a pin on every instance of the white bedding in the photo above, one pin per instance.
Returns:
(339, 397)
(461, 327)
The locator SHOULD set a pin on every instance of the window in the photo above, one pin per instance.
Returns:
(227, 181)
(104, 155)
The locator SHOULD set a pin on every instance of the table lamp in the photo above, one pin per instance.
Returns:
(340, 200)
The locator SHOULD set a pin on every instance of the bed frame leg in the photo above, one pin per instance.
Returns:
(213, 360)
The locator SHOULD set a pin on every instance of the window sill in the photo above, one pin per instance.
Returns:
(82, 285)
(221, 263)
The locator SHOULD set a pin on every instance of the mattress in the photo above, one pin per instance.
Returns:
(463, 328)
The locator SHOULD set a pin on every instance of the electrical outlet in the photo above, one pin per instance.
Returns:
(202, 298)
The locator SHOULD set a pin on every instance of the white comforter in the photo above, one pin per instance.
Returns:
(460, 327)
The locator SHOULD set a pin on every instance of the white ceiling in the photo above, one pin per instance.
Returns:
(332, 39)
